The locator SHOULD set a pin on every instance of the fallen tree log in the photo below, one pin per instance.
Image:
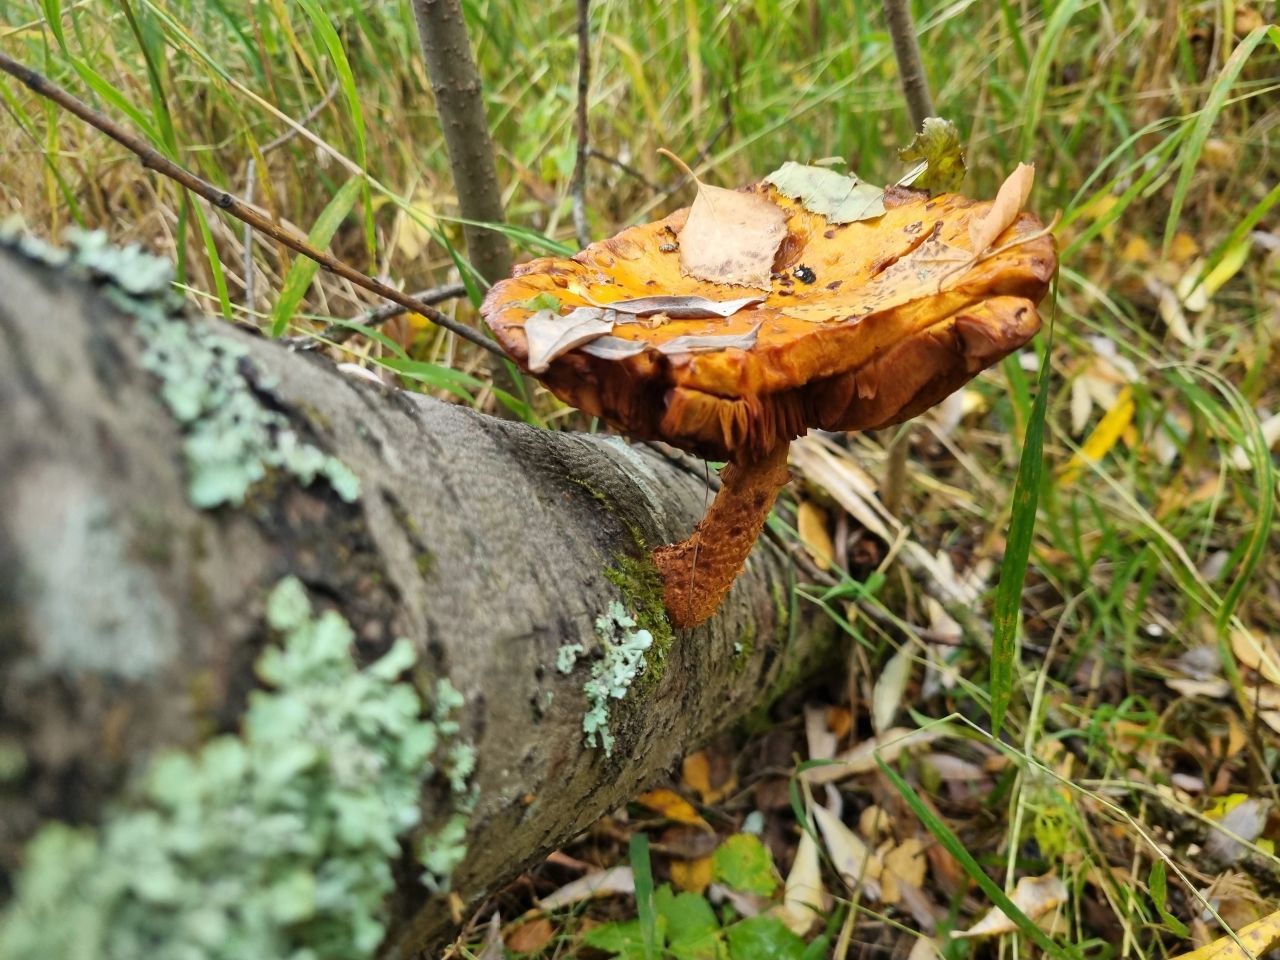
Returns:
(160, 476)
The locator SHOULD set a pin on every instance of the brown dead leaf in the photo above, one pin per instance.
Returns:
(551, 335)
(904, 863)
(730, 237)
(671, 805)
(1256, 652)
(1010, 200)
(710, 774)
(839, 721)
(530, 937)
(1034, 896)
(857, 865)
(692, 876)
(811, 523)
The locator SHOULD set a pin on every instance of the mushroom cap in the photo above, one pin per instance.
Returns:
(847, 343)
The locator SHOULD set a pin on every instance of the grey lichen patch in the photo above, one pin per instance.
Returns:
(622, 659)
(640, 584)
(275, 844)
(231, 439)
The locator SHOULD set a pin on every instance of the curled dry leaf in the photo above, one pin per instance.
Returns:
(862, 758)
(731, 236)
(1010, 200)
(811, 524)
(710, 343)
(613, 348)
(1034, 896)
(804, 902)
(859, 866)
(603, 883)
(551, 335)
(682, 308)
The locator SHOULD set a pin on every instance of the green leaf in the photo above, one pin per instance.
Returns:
(303, 269)
(693, 933)
(1157, 887)
(622, 939)
(763, 936)
(743, 863)
(839, 198)
(1013, 571)
(937, 145)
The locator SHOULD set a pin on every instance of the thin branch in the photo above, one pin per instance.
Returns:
(579, 184)
(906, 48)
(342, 332)
(625, 168)
(231, 204)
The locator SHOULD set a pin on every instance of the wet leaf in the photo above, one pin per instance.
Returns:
(672, 806)
(838, 197)
(1010, 200)
(1034, 896)
(811, 523)
(607, 347)
(551, 335)
(742, 862)
(730, 236)
(709, 344)
(682, 308)
(937, 145)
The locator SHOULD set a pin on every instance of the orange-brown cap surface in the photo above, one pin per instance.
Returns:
(866, 324)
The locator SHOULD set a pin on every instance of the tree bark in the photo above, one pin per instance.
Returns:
(460, 104)
(130, 619)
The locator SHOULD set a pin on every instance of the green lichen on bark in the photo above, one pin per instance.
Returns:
(231, 439)
(274, 844)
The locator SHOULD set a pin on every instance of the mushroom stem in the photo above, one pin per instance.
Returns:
(698, 572)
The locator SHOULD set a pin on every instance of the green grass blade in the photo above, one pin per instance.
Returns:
(934, 824)
(643, 872)
(1208, 115)
(303, 269)
(1013, 571)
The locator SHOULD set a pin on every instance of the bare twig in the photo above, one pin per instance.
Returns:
(915, 87)
(153, 160)
(460, 105)
(906, 49)
(579, 185)
(342, 332)
(625, 168)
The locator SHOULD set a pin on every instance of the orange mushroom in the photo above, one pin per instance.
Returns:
(863, 325)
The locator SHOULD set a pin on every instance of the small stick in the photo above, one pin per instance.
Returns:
(153, 160)
(342, 332)
(579, 184)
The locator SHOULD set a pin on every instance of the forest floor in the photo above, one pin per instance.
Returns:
(1129, 805)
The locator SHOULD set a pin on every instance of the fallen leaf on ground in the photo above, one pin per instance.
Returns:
(493, 949)
(859, 867)
(672, 806)
(803, 903)
(744, 864)
(1104, 436)
(839, 197)
(1245, 820)
(1010, 200)
(904, 863)
(937, 145)
(551, 335)
(1034, 896)
(731, 236)
(1257, 938)
(692, 876)
(1256, 652)
(710, 774)
(604, 883)
(886, 697)
(862, 758)
(925, 948)
(833, 469)
(1196, 293)
(530, 937)
(811, 524)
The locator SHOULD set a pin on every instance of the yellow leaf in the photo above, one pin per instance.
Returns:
(1256, 652)
(672, 806)
(693, 876)
(1104, 436)
(1196, 293)
(1258, 938)
(812, 523)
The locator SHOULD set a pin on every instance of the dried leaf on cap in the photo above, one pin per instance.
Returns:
(839, 197)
